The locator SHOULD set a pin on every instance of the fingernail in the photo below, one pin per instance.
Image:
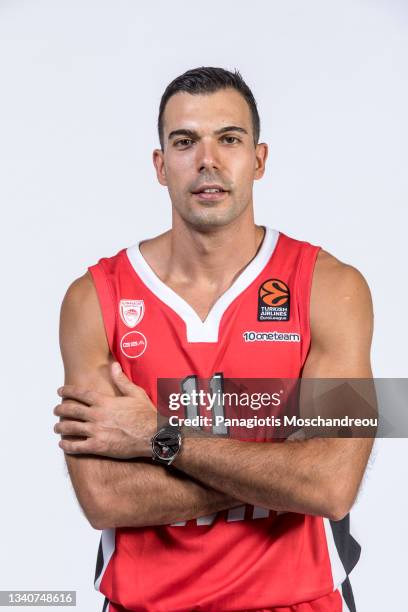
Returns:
(59, 390)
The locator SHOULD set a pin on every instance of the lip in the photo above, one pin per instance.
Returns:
(210, 196)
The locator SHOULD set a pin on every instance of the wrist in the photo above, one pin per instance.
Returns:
(165, 444)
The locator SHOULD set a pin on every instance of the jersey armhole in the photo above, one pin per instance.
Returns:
(106, 301)
(304, 284)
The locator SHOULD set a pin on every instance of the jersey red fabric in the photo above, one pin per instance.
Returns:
(246, 558)
(333, 602)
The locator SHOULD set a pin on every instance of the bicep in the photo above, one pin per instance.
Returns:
(337, 373)
(84, 346)
(86, 358)
(341, 321)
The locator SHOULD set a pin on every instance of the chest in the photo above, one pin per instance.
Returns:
(238, 342)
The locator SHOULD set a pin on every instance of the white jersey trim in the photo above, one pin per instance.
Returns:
(207, 330)
(338, 572)
(108, 548)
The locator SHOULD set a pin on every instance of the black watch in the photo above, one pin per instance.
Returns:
(166, 444)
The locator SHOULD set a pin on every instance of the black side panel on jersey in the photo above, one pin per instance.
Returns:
(99, 561)
(349, 550)
(348, 596)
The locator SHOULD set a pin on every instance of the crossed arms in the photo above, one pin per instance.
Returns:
(315, 476)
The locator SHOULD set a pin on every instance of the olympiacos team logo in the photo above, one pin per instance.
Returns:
(131, 312)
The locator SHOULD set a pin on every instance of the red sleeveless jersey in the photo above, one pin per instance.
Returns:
(245, 558)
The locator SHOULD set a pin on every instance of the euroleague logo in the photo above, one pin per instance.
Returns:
(273, 301)
(133, 344)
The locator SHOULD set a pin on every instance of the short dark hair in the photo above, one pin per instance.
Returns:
(207, 80)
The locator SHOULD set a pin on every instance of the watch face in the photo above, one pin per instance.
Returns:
(165, 452)
(166, 443)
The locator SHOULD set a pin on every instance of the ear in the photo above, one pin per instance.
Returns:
(158, 161)
(261, 155)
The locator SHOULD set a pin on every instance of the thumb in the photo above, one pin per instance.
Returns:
(122, 381)
(299, 434)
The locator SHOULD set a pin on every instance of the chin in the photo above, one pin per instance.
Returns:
(210, 218)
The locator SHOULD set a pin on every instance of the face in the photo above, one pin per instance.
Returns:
(209, 161)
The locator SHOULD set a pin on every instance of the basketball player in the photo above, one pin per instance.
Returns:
(231, 525)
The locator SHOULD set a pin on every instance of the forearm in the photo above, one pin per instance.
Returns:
(297, 476)
(136, 493)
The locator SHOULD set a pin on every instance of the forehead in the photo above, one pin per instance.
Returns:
(206, 112)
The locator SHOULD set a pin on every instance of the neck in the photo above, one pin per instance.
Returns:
(213, 256)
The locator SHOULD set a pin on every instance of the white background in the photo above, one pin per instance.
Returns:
(80, 84)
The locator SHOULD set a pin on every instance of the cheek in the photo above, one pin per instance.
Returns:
(244, 168)
(180, 164)
(179, 172)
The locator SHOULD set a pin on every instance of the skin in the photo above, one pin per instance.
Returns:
(199, 148)
(209, 244)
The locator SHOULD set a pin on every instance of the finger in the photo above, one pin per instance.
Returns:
(73, 410)
(74, 428)
(78, 447)
(126, 386)
(297, 435)
(86, 396)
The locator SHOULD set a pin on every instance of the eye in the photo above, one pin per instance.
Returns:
(230, 139)
(183, 142)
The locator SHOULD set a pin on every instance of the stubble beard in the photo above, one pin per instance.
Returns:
(210, 215)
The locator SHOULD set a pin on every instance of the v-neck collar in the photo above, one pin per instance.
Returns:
(207, 330)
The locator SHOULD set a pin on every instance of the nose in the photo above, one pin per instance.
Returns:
(207, 156)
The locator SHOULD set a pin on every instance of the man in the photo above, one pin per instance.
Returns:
(232, 524)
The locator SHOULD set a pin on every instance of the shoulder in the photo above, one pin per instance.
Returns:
(80, 289)
(80, 297)
(334, 279)
(340, 298)
(81, 321)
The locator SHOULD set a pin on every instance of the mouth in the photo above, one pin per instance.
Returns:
(210, 192)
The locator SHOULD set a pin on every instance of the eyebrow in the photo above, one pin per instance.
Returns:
(194, 134)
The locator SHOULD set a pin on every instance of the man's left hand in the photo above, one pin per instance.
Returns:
(114, 426)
